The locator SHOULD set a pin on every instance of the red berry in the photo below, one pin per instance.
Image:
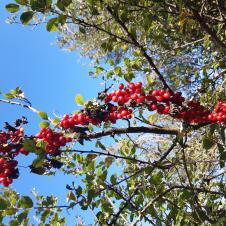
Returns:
(121, 86)
(166, 95)
(155, 93)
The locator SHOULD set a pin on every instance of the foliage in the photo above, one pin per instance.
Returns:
(172, 172)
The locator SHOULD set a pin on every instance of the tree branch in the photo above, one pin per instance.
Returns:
(142, 129)
(138, 45)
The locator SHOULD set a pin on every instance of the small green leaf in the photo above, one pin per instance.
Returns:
(43, 125)
(79, 99)
(152, 117)
(22, 2)
(99, 70)
(38, 162)
(13, 92)
(90, 128)
(43, 115)
(150, 80)
(52, 25)
(207, 143)
(12, 8)
(100, 145)
(108, 161)
(29, 145)
(118, 70)
(222, 134)
(56, 121)
(222, 152)
(177, 68)
(111, 62)
(13, 223)
(129, 76)
(66, 3)
(78, 191)
(90, 157)
(25, 202)
(62, 19)
(22, 216)
(82, 30)
(71, 196)
(26, 17)
(113, 178)
(3, 204)
(8, 95)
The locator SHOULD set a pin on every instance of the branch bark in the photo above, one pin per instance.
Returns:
(142, 129)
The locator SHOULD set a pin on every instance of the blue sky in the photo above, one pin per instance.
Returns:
(50, 79)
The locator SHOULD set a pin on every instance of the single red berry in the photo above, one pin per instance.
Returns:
(121, 86)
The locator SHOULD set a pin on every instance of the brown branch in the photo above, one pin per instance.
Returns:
(109, 154)
(142, 129)
(138, 45)
(208, 30)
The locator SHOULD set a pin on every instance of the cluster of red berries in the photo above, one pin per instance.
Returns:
(134, 95)
(78, 119)
(8, 171)
(219, 113)
(10, 147)
(53, 139)
(11, 142)
(125, 94)
(193, 112)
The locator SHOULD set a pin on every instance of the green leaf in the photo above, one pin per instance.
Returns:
(26, 17)
(71, 196)
(79, 99)
(3, 204)
(62, 19)
(52, 25)
(25, 202)
(8, 95)
(43, 124)
(207, 142)
(152, 117)
(38, 162)
(129, 76)
(66, 3)
(13, 92)
(29, 145)
(100, 145)
(118, 70)
(177, 68)
(56, 121)
(82, 30)
(222, 134)
(62, 4)
(108, 161)
(99, 70)
(90, 157)
(78, 191)
(40, 5)
(13, 223)
(90, 128)
(111, 62)
(22, 216)
(150, 80)
(43, 115)
(113, 178)
(22, 2)
(222, 152)
(12, 8)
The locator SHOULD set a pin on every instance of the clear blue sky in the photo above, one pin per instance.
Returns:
(50, 79)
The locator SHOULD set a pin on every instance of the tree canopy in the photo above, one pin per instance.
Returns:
(163, 109)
